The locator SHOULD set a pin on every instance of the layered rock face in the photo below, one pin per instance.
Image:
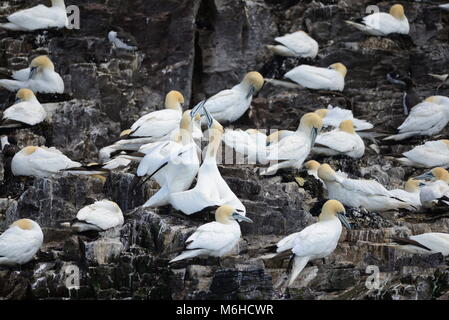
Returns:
(199, 48)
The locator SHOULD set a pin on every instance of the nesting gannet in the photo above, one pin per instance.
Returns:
(230, 104)
(333, 116)
(173, 165)
(426, 243)
(294, 149)
(410, 193)
(428, 155)
(210, 189)
(315, 241)
(368, 194)
(382, 24)
(38, 17)
(216, 238)
(425, 119)
(437, 191)
(122, 40)
(20, 242)
(312, 167)
(40, 76)
(341, 141)
(27, 109)
(99, 216)
(296, 44)
(40, 162)
(251, 143)
(330, 78)
(410, 97)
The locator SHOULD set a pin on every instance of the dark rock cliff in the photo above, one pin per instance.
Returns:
(200, 47)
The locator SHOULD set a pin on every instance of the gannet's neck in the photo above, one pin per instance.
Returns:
(214, 143)
(58, 3)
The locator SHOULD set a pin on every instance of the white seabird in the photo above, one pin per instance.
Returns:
(20, 242)
(294, 149)
(99, 216)
(368, 194)
(341, 141)
(27, 109)
(230, 104)
(38, 17)
(40, 77)
(40, 162)
(382, 24)
(251, 143)
(428, 155)
(173, 164)
(296, 44)
(122, 40)
(216, 238)
(410, 193)
(333, 116)
(437, 191)
(426, 243)
(331, 78)
(315, 241)
(425, 119)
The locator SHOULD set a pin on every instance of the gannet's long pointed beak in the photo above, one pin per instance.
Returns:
(425, 176)
(17, 100)
(32, 72)
(238, 216)
(210, 119)
(250, 92)
(341, 216)
(197, 109)
(314, 135)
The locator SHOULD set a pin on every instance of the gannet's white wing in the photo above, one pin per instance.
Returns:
(156, 124)
(26, 112)
(101, 214)
(38, 17)
(299, 42)
(423, 116)
(437, 242)
(221, 101)
(211, 236)
(336, 140)
(312, 77)
(291, 147)
(50, 160)
(368, 187)
(22, 74)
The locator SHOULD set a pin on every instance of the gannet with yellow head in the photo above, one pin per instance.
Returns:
(382, 24)
(333, 116)
(436, 192)
(296, 44)
(27, 109)
(330, 78)
(410, 193)
(20, 242)
(216, 238)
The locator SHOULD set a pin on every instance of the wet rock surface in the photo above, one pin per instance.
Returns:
(201, 47)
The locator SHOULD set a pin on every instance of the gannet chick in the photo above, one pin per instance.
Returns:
(382, 24)
(411, 192)
(122, 40)
(216, 238)
(437, 191)
(20, 242)
(40, 162)
(426, 243)
(330, 78)
(410, 97)
(315, 241)
(251, 143)
(99, 216)
(40, 76)
(38, 17)
(210, 189)
(296, 44)
(368, 194)
(27, 109)
(173, 165)
(425, 119)
(230, 104)
(428, 155)
(341, 141)
(294, 149)
(333, 116)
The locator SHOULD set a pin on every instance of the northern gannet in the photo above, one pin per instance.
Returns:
(437, 191)
(99, 216)
(410, 193)
(330, 78)
(426, 243)
(333, 116)
(382, 24)
(425, 119)
(341, 141)
(210, 189)
(315, 241)
(368, 194)
(312, 167)
(294, 149)
(38, 17)
(40, 162)
(27, 109)
(216, 238)
(230, 104)
(173, 164)
(122, 40)
(251, 143)
(20, 242)
(296, 44)
(40, 77)
(428, 155)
